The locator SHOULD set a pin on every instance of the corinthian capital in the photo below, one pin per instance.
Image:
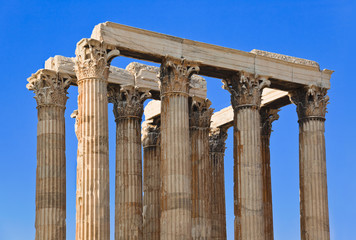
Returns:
(93, 59)
(151, 135)
(245, 89)
(175, 75)
(268, 116)
(128, 101)
(200, 113)
(311, 102)
(217, 140)
(50, 87)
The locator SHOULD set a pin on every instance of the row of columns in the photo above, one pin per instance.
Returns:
(190, 205)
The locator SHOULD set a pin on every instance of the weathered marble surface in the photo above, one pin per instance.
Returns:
(50, 90)
(217, 140)
(199, 120)
(311, 104)
(214, 60)
(137, 74)
(246, 91)
(152, 181)
(128, 109)
(93, 196)
(176, 168)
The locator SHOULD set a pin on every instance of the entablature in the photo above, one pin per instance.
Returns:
(285, 72)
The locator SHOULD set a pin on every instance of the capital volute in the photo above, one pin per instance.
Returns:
(50, 87)
(200, 113)
(175, 75)
(128, 101)
(93, 59)
(311, 102)
(268, 116)
(245, 89)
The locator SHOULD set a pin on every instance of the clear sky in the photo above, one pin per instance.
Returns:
(320, 30)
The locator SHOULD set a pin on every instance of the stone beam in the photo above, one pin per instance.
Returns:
(284, 72)
(225, 117)
(135, 74)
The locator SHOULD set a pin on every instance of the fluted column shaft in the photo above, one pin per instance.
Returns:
(50, 89)
(128, 109)
(93, 199)
(151, 183)
(176, 169)
(311, 107)
(267, 117)
(200, 115)
(217, 151)
(246, 90)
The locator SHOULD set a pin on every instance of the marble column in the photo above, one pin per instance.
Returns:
(311, 104)
(50, 90)
(128, 110)
(200, 116)
(268, 115)
(176, 168)
(151, 182)
(246, 90)
(93, 211)
(217, 140)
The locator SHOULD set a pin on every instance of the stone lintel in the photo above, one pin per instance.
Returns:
(216, 61)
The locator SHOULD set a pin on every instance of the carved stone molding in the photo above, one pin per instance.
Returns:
(217, 140)
(151, 137)
(50, 87)
(268, 115)
(311, 102)
(200, 113)
(128, 101)
(93, 59)
(245, 89)
(175, 75)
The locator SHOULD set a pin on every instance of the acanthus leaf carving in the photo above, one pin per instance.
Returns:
(128, 101)
(311, 102)
(175, 75)
(217, 140)
(151, 137)
(93, 59)
(245, 89)
(50, 87)
(268, 116)
(200, 113)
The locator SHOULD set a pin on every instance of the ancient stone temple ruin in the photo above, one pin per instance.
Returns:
(181, 193)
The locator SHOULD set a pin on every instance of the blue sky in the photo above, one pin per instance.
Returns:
(324, 31)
